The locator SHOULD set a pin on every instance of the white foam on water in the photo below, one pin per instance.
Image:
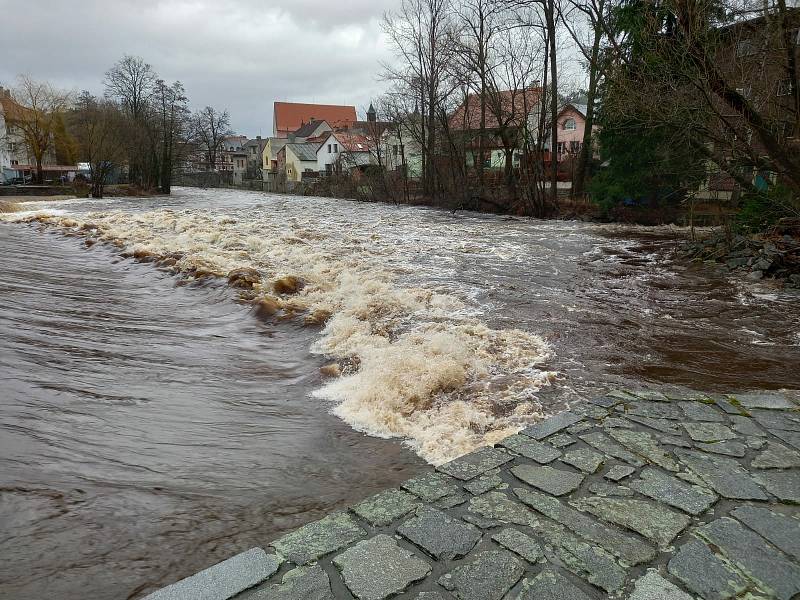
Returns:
(418, 363)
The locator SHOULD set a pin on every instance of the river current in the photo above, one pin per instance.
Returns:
(153, 421)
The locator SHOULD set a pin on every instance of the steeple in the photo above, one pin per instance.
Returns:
(372, 115)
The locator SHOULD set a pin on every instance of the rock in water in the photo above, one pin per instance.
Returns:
(244, 277)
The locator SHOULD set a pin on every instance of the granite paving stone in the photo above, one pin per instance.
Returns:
(592, 412)
(674, 440)
(672, 491)
(488, 576)
(319, 538)
(606, 489)
(776, 456)
(705, 573)
(724, 475)
(519, 543)
(618, 472)
(650, 395)
(751, 553)
(550, 585)
(781, 530)
(475, 463)
(542, 429)
(766, 401)
(662, 425)
(727, 406)
(746, 426)
(755, 443)
(431, 596)
(605, 401)
(561, 440)
(708, 432)
(627, 547)
(603, 443)
(385, 507)
(697, 411)
(452, 500)
(655, 410)
(584, 459)
(585, 560)
(643, 444)
(781, 420)
(301, 583)
(785, 485)
(736, 449)
(483, 484)
(223, 580)
(653, 586)
(617, 422)
(790, 437)
(496, 505)
(580, 427)
(481, 522)
(377, 568)
(550, 480)
(439, 534)
(431, 486)
(654, 521)
(530, 448)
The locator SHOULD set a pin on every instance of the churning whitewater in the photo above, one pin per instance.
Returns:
(413, 362)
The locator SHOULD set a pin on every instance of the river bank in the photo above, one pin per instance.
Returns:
(634, 494)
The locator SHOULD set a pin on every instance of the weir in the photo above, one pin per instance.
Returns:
(636, 495)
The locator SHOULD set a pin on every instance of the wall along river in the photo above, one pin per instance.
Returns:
(156, 420)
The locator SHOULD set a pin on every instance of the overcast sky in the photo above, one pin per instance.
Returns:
(240, 55)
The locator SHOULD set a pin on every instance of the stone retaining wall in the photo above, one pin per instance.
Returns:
(632, 495)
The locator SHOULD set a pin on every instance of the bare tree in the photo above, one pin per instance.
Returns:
(211, 129)
(173, 120)
(97, 125)
(37, 118)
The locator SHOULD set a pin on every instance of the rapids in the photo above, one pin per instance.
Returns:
(155, 420)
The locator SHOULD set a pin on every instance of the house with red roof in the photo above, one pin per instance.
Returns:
(344, 151)
(288, 117)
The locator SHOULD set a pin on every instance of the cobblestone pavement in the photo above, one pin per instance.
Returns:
(632, 495)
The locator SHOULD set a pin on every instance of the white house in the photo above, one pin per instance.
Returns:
(344, 151)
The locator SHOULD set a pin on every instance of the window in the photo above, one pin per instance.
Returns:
(561, 147)
(785, 87)
(574, 147)
(570, 124)
(335, 148)
(395, 150)
(329, 168)
(329, 148)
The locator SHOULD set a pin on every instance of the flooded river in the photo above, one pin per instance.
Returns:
(152, 422)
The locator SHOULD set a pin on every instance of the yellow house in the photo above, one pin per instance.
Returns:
(296, 159)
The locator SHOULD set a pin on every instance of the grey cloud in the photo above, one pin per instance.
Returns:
(234, 54)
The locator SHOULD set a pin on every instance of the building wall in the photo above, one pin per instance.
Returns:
(295, 167)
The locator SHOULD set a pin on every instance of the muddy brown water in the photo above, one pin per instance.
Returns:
(150, 428)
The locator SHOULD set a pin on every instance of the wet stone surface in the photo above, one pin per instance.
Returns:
(638, 495)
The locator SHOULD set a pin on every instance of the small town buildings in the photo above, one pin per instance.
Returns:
(295, 162)
(342, 151)
(288, 117)
(254, 149)
(510, 116)
(313, 130)
(16, 162)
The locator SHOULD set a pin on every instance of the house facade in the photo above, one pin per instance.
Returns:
(254, 149)
(342, 151)
(15, 159)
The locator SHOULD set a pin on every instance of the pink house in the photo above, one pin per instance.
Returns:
(571, 125)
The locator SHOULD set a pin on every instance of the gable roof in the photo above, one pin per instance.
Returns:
(351, 142)
(304, 152)
(580, 108)
(290, 116)
(513, 106)
(309, 128)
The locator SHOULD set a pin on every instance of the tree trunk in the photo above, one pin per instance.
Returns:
(551, 35)
(580, 182)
